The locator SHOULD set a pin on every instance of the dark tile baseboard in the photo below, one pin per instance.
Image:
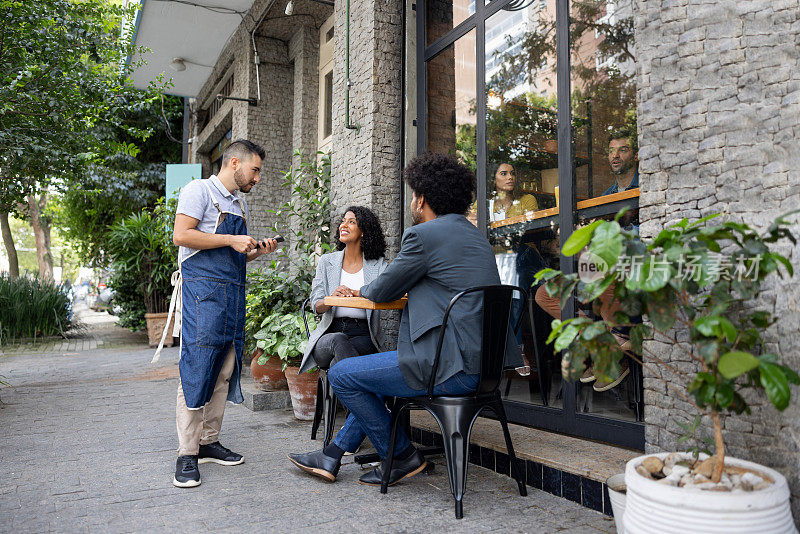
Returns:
(587, 492)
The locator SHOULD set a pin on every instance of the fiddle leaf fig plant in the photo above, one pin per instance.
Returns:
(695, 286)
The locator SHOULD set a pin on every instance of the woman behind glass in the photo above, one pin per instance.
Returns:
(506, 201)
(345, 332)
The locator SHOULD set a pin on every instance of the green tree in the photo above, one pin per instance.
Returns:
(62, 75)
(121, 184)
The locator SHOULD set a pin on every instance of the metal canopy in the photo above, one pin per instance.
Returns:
(194, 30)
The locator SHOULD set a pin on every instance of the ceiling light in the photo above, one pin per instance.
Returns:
(289, 8)
(177, 64)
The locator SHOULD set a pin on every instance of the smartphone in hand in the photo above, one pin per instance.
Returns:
(277, 238)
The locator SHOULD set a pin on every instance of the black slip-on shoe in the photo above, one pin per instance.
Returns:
(215, 452)
(317, 463)
(400, 469)
(187, 475)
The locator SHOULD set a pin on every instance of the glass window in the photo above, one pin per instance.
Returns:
(327, 122)
(521, 176)
(451, 101)
(441, 16)
(606, 161)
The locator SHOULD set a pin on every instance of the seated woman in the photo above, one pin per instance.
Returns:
(346, 332)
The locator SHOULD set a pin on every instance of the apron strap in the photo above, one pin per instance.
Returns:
(175, 308)
(211, 194)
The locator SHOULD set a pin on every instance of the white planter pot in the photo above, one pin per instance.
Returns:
(617, 499)
(662, 509)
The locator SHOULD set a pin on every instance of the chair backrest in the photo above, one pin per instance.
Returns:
(496, 317)
(305, 319)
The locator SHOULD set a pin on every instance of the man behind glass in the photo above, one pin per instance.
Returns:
(441, 255)
(624, 161)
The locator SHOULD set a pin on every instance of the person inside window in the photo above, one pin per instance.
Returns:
(346, 332)
(624, 162)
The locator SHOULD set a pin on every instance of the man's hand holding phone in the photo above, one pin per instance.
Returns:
(269, 245)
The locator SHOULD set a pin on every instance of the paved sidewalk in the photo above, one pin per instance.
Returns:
(88, 444)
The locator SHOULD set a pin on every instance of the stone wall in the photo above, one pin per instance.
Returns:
(719, 125)
(365, 164)
(269, 123)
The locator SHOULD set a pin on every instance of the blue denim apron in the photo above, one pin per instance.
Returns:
(213, 310)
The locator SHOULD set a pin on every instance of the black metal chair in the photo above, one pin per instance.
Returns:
(325, 411)
(457, 414)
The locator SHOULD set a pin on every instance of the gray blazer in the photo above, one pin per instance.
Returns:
(438, 259)
(327, 278)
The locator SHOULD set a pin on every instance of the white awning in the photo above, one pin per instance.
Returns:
(192, 31)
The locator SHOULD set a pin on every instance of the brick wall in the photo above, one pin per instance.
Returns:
(719, 124)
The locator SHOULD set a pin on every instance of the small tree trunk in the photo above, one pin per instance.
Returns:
(41, 231)
(719, 453)
(11, 250)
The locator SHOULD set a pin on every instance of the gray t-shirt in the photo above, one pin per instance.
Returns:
(195, 201)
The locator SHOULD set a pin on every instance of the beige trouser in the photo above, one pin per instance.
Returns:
(201, 426)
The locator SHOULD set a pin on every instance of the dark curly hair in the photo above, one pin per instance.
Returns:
(372, 241)
(446, 183)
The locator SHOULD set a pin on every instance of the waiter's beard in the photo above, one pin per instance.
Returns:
(241, 182)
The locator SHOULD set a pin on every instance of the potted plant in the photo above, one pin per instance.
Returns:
(283, 335)
(270, 291)
(705, 303)
(143, 258)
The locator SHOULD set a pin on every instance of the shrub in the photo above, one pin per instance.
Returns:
(32, 308)
(143, 258)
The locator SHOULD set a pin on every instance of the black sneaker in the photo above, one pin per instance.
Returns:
(187, 475)
(214, 452)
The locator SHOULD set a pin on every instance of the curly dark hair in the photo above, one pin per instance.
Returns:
(446, 183)
(372, 241)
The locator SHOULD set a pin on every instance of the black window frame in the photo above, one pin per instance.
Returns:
(567, 419)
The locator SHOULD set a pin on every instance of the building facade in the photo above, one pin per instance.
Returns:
(708, 93)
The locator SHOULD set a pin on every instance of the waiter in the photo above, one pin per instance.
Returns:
(211, 231)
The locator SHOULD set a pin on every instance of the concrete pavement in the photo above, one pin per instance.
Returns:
(88, 445)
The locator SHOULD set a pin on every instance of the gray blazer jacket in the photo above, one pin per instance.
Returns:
(438, 259)
(327, 278)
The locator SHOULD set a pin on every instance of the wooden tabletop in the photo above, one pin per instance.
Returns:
(549, 212)
(365, 304)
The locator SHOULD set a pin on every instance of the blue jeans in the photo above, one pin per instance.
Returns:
(362, 383)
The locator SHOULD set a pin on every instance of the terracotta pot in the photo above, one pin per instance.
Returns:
(155, 327)
(268, 377)
(303, 390)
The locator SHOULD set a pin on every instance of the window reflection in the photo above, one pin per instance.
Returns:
(451, 101)
(521, 149)
(521, 177)
(442, 16)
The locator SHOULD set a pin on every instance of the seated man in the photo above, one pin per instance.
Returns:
(441, 255)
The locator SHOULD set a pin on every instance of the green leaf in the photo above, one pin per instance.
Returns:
(724, 396)
(775, 385)
(565, 337)
(579, 239)
(728, 330)
(736, 363)
(606, 243)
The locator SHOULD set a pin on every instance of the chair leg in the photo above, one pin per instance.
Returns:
(456, 425)
(318, 410)
(331, 403)
(387, 464)
(512, 457)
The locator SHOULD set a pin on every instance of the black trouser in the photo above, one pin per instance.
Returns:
(345, 338)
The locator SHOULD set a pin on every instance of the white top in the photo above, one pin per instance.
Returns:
(353, 281)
